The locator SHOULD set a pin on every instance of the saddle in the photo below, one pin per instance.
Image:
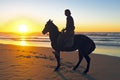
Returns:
(69, 41)
(65, 40)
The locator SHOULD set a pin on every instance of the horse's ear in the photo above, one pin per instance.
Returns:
(51, 20)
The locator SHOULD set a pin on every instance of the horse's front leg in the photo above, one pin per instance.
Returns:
(57, 56)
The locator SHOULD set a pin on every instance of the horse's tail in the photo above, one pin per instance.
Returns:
(93, 45)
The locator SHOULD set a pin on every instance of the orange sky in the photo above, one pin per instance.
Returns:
(37, 26)
(89, 15)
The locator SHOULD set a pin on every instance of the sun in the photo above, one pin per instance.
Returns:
(23, 28)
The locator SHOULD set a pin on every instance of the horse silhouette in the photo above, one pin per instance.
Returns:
(82, 43)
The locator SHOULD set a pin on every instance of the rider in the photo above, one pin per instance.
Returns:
(69, 23)
(67, 35)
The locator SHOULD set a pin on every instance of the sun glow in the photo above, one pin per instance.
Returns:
(23, 43)
(23, 28)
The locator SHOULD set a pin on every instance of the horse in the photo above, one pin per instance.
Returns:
(82, 43)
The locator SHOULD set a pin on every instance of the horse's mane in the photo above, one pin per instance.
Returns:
(54, 26)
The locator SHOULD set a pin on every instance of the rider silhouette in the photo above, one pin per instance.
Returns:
(69, 23)
(67, 34)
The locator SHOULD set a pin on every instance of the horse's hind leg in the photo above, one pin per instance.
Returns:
(80, 59)
(88, 63)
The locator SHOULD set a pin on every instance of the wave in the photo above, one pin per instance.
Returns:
(104, 39)
(115, 34)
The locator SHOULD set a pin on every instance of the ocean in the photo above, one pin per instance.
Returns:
(108, 43)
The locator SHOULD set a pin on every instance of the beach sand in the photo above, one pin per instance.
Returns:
(38, 63)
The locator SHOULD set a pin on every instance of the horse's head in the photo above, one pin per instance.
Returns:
(49, 26)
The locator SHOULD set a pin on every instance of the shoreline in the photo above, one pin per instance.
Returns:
(103, 50)
(38, 63)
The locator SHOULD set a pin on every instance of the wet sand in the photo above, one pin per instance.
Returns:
(38, 63)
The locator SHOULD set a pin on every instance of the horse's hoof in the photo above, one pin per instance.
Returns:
(85, 72)
(74, 69)
(56, 69)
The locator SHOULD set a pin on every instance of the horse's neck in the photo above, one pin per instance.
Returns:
(54, 35)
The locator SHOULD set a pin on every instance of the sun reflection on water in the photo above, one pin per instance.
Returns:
(23, 43)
